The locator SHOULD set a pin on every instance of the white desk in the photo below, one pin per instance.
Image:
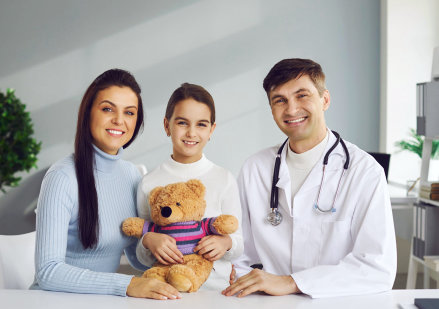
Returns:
(25, 299)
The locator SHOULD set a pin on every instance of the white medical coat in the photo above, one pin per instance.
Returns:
(349, 252)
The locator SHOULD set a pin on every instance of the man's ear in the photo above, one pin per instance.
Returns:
(197, 187)
(326, 99)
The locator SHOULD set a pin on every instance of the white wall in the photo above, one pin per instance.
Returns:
(52, 50)
(226, 46)
(412, 31)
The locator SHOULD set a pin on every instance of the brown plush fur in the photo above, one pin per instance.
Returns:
(186, 199)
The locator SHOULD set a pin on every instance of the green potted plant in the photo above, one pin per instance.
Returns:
(18, 149)
(415, 143)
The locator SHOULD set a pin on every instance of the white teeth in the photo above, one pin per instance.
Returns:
(189, 143)
(115, 132)
(297, 120)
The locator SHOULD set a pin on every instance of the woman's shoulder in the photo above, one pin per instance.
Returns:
(64, 166)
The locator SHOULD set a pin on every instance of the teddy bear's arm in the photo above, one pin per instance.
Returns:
(133, 227)
(225, 224)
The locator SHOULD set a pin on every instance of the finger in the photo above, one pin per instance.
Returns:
(206, 249)
(167, 290)
(177, 252)
(249, 290)
(155, 295)
(160, 260)
(212, 254)
(241, 284)
(233, 274)
(175, 255)
(168, 255)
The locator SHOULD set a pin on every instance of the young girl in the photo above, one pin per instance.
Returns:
(85, 197)
(190, 122)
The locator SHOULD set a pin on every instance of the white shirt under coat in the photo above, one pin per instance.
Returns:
(349, 252)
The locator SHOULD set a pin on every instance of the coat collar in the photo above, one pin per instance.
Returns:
(335, 162)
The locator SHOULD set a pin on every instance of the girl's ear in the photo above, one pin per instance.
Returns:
(166, 126)
(212, 128)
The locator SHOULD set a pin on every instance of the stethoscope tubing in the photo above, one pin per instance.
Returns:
(274, 198)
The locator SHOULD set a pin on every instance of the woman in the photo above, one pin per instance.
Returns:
(85, 197)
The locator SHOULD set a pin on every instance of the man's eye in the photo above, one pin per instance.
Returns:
(202, 124)
(182, 123)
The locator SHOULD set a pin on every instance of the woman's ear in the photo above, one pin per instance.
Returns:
(166, 126)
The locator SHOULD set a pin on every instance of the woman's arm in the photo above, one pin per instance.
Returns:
(54, 212)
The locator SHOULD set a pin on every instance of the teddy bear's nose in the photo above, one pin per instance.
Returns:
(166, 211)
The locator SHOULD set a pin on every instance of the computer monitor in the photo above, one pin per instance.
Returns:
(383, 159)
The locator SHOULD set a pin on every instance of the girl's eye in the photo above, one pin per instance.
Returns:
(182, 123)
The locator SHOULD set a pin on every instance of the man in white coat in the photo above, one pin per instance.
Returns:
(331, 242)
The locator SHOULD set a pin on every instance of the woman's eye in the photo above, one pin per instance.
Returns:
(130, 113)
(107, 109)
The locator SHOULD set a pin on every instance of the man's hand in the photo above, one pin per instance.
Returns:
(213, 247)
(164, 248)
(259, 280)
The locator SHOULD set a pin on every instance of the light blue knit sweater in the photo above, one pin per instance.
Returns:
(61, 263)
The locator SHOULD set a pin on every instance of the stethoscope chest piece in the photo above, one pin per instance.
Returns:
(274, 217)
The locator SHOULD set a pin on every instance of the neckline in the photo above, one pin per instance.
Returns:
(105, 162)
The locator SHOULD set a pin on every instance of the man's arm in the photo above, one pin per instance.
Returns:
(371, 265)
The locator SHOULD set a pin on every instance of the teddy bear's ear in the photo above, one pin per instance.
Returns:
(197, 187)
(153, 194)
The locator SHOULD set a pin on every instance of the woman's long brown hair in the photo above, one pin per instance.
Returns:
(88, 225)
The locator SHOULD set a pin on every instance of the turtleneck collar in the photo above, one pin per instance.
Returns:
(106, 162)
(188, 170)
(307, 159)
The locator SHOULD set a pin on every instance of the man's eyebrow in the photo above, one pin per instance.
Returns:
(302, 90)
(114, 105)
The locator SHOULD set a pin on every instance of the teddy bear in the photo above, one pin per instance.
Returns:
(177, 210)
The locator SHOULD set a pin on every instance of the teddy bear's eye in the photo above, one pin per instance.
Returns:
(178, 204)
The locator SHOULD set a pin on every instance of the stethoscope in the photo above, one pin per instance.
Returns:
(275, 217)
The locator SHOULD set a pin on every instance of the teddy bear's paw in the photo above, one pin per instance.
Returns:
(182, 278)
(180, 282)
(133, 227)
(158, 273)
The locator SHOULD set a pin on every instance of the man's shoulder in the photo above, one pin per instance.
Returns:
(361, 159)
(262, 156)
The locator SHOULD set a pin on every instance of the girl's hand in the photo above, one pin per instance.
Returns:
(213, 247)
(151, 288)
(164, 248)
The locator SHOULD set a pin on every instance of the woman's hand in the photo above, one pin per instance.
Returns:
(213, 247)
(164, 248)
(151, 288)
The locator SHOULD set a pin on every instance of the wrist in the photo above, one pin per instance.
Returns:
(294, 289)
